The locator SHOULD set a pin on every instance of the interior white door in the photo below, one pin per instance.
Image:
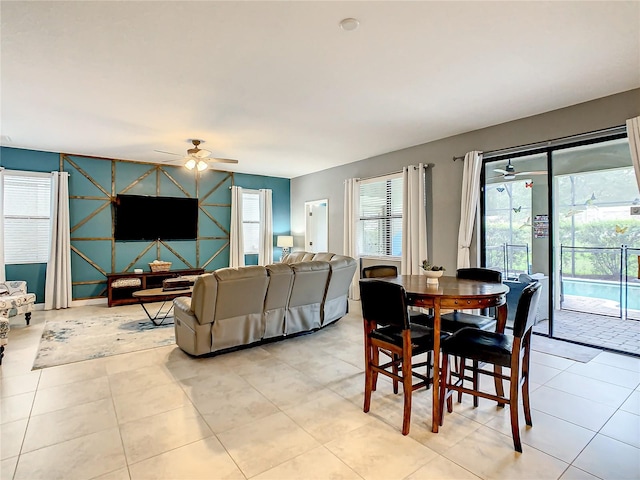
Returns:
(316, 238)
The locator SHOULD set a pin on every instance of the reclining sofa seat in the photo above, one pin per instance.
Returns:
(309, 289)
(277, 301)
(224, 311)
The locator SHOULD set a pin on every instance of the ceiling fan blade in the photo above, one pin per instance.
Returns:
(538, 172)
(499, 170)
(168, 153)
(223, 160)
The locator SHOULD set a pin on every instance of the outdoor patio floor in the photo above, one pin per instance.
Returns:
(595, 329)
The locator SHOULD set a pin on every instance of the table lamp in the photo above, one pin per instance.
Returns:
(285, 242)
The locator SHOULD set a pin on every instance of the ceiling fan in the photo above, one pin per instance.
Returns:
(509, 172)
(199, 158)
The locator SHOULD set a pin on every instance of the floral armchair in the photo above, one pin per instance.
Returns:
(14, 300)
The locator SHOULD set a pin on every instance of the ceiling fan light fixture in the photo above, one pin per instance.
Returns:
(202, 165)
(190, 164)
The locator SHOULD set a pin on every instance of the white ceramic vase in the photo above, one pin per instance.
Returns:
(433, 275)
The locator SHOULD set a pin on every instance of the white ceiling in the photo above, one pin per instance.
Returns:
(280, 87)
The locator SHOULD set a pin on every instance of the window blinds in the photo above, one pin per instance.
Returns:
(27, 208)
(251, 222)
(381, 216)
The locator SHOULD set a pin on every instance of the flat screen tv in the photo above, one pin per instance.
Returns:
(140, 217)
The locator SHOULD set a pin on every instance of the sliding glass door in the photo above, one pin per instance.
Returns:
(569, 215)
(516, 222)
(598, 230)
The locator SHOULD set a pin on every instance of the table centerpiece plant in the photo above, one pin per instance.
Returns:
(431, 271)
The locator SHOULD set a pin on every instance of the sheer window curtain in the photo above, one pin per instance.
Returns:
(414, 219)
(265, 253)
(351, 218)
(468, 205)
(2, 269)
(57, 292)
(633, 132)
(236, 243)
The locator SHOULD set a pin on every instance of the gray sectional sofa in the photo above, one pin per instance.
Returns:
(233, 307)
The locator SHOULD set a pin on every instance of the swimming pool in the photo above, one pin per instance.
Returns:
(604, 290)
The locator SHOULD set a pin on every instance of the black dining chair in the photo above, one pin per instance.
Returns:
(500, 350)
(382, 271)
(387, 327)
(378, 271)
(454, 321)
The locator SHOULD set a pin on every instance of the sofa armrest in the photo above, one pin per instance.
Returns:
(15, 287)
(182, 311)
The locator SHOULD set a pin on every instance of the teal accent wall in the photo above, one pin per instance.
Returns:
(94, 182)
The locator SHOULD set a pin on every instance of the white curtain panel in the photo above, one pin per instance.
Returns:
(2, 267)
(265, 254)
(633, 132)
(236, 241)
(351, 218)
(468, 205)
(57, 292)
(414, 220)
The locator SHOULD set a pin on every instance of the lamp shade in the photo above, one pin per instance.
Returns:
(284, 241)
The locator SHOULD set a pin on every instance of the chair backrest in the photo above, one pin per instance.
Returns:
(527, 309)
(482, 274)
(384, 303)
(377, 271)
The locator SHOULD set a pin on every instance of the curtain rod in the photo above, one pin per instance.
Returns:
(558, 142)
(426, 165)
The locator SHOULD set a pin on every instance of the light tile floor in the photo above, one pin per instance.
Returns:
(293, 410)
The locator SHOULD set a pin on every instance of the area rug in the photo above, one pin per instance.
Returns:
(569, 350)
(96, 336)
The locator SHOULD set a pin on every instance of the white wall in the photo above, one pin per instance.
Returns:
(445, 178)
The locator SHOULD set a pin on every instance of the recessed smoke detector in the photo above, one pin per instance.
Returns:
(349, 24)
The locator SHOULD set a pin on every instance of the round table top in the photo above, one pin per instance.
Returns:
(448, 287)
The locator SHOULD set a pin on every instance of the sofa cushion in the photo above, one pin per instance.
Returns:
(323, 256)
(275, 304)
(308, 292)
(336, 303)
(297, 257)
(203, 298)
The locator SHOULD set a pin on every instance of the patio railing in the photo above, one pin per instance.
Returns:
(510, 259)
(602, 280)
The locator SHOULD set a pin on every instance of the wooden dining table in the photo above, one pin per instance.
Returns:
(451, 293)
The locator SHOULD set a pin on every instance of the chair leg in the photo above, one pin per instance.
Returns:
(514, 386)
(462, 364)
(407, 386)
(475, 382)
(394, 368)
(27, 317)
(525, 382)
(375, 358)
(429, 359)
(368, 373)
(497, 369)
(444, 375)
(513, 407)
